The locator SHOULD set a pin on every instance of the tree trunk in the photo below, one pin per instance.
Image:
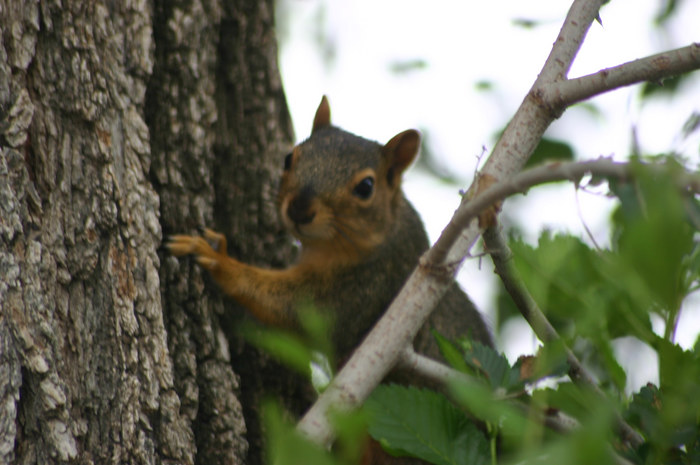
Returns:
(121, 122)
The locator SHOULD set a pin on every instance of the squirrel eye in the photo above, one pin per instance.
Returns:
(288, 161)
(364, 188)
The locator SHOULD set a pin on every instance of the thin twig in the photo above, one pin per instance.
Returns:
(437, 372)
(519, 183)
(429, 369)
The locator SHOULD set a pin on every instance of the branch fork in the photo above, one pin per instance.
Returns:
(387, 344)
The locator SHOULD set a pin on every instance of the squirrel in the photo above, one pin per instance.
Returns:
(340, 195)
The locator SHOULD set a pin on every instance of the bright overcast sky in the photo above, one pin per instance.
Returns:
(465, 43)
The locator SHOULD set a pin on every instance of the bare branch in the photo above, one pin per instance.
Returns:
(578, 20)
(427, 368)
(529, 123)
(518, 184)
(652, 68)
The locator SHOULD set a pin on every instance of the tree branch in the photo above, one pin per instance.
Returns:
(441, 374)
(427, 368)
(424, 288)
(501, 255)
(397, 328)
(519, 183)
(651, 68)
(437, 372)
(525, 130)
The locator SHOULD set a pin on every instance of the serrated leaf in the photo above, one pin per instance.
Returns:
(643, 411)
(578, 291)
(613, 370)
(452, 355)
(424, 424)
(679, 375)
(550, 361)
(587, 444)
(494, 367)
(653, 236)
(567, 397)
(480, 401)
(668, 417)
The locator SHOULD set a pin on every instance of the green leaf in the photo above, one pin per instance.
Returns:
(668, 419)
(556, 273)
(481, 402)
(494, 367)
(667, 87)
(424, 424)
(691, 125)
(285, 446)
(351, 432)
(643, 411)
(316, 326)
(679, 378)
(579, 289)
(452, 355)
(406, 66)
(653, 236)
(613, 370)
(567, 397)
(550, 361)
(590, 443)
(526, 23)
(285, 346)
(308, 352)
(666, 11)
(550, 150)
(484, 85)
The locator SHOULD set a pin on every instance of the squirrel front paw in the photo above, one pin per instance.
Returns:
(208, 250)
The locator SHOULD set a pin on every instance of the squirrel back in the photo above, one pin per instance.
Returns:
(340, 196)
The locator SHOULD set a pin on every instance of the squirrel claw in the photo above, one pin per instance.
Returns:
(207, 250)
(179, 245)
(217, 240)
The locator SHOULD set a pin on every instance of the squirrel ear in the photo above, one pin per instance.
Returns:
(400, 152)
(323, 115)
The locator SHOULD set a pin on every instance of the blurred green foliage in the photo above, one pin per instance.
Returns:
(550, 150)
(592, 297)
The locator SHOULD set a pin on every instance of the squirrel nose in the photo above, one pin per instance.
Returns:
(299, 208)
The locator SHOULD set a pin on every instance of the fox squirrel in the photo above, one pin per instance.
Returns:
(340, 196)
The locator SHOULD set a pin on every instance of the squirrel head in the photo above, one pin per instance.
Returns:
(340, 193)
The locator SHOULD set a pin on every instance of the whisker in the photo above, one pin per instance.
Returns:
(348, 240)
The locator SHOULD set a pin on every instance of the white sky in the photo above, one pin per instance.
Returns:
(463, 43)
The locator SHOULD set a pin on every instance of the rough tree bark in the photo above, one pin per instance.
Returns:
(121, 122)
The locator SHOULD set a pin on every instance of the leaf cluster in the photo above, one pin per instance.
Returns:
(529, 411)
